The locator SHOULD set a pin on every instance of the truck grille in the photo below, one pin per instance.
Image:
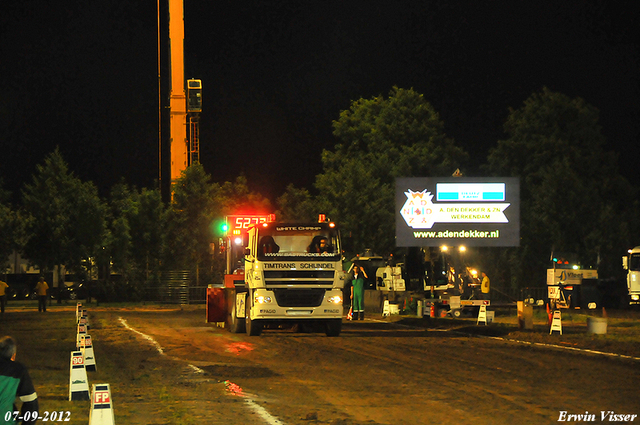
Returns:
(299, 297)
(297, 274)
(288, 278)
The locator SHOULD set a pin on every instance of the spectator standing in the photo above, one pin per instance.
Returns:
(357, 292)
(15, 382)
(41, 292)
(485, 286)
(3, 295)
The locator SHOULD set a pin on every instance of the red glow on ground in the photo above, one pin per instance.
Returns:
(234, 389)
(238, 347)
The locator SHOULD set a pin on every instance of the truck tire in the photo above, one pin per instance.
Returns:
(236, 325)
(333, 327)
(254, 327)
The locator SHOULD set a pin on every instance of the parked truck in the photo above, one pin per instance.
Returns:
(566, 278)
(283, 274)
(631, 264)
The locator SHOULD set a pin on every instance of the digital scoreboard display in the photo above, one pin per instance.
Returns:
(239, 224)
(479, 211)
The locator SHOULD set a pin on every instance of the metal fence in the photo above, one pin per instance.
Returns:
(176, 287)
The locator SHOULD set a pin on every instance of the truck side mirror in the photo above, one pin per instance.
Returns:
(625, 262)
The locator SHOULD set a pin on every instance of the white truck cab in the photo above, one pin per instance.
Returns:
(292, 274)
(631, 264)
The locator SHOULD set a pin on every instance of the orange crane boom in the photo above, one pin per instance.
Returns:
(177, 97)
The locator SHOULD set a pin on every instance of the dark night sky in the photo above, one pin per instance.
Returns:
(83, 76)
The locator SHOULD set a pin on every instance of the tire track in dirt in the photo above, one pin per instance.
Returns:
(250, 403)
(412, 365)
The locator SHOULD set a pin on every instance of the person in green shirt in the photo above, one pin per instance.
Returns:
(15, 382)
(357, 292)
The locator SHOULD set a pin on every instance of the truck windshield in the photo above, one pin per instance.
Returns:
(634, 262)
(298, 241)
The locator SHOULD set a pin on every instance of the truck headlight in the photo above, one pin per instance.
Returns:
(336, 299)
(261, 299)
(635, 297)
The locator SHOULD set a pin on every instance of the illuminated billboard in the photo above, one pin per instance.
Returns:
(435, 211)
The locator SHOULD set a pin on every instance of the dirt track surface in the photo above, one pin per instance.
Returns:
(374, 373)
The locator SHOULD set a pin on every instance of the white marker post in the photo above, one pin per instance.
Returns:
(385, 309)
(86, 347)
(101, 407)
(85, 315)
(78, 382)
(85, 319)
(82, 330)
(556, 324)
(482, 315)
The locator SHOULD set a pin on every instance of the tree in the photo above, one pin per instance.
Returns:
(381, 139)
(572, 196)
(66, 217)
(297, 205)
(122, 206)
(236, 197)
(193, 209)
(148, 235)
(136, 236)
(198, 204)
(8, 223)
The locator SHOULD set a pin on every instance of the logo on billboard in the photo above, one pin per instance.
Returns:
(420, 212)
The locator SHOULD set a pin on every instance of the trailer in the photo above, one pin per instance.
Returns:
(453, 306)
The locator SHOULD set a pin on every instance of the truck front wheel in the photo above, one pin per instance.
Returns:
(236, 325)
(254, 327)
(333, 327)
